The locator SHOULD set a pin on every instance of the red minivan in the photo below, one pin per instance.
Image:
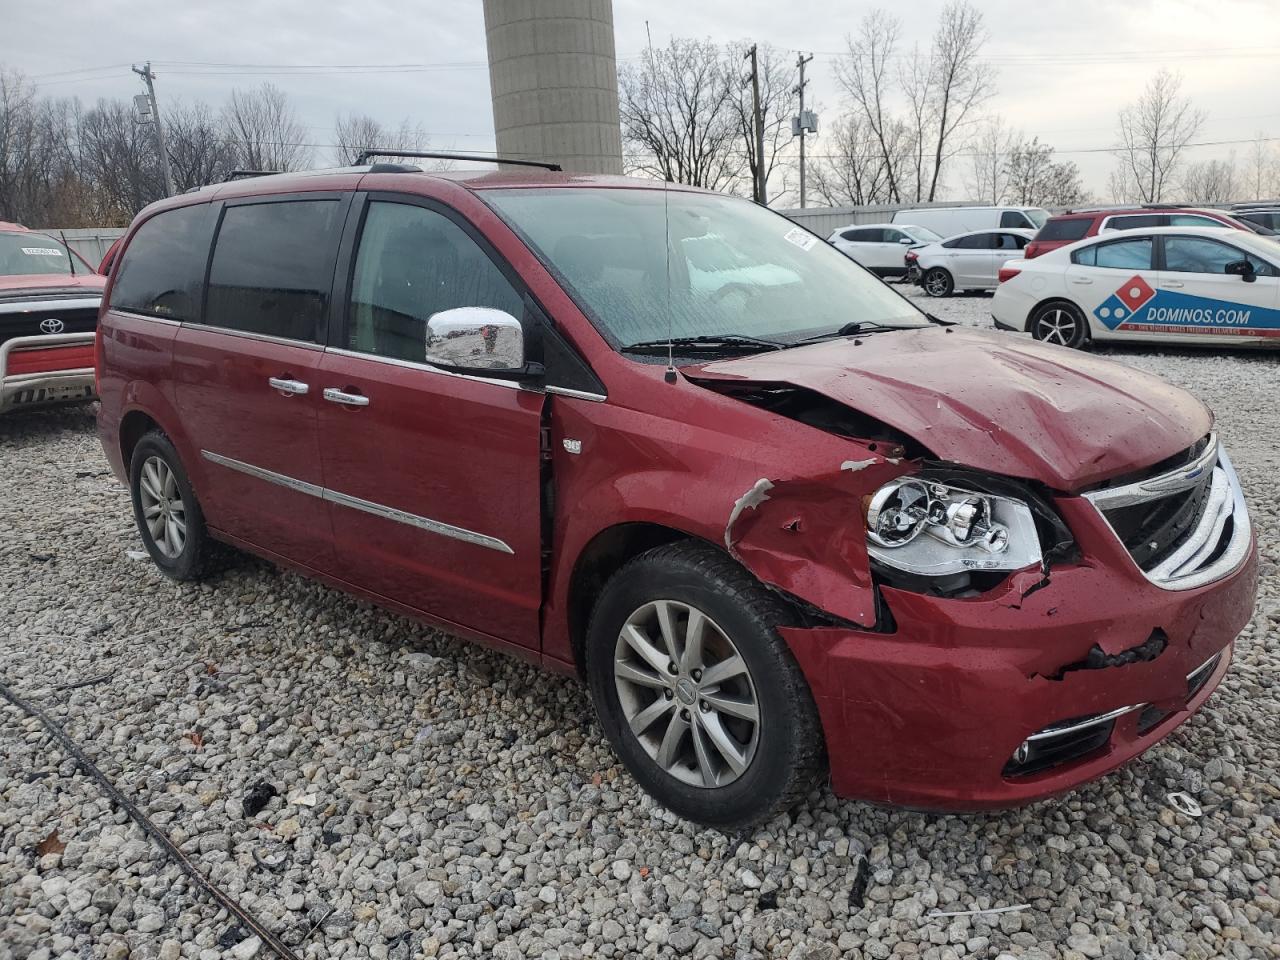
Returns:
(778, 519)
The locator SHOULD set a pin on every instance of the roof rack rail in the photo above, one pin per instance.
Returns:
(246, 174)
(366, 155)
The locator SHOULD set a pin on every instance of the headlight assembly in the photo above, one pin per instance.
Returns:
(928, 528)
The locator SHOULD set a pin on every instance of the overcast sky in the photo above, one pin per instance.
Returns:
(1228, 52)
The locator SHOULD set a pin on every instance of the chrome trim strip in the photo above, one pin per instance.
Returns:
(250, 335)
(1185, 476)
(412, 365)
(40, 341)
(576, 394)
(365, 506)
(1050, 732)
(34, 306)
(301, 486)
(413, 520)
(137, 315)
(1207, 667)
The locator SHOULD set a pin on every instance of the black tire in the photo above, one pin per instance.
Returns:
(938, 282)
(788, 753)
(1060, 323)
(192, 560)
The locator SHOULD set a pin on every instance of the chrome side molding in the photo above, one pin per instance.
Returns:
(355, 503)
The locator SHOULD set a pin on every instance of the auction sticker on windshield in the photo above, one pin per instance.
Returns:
(800, 237)
(1136, 306)
(42, 251)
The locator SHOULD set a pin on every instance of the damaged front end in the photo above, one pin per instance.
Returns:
(975, 641)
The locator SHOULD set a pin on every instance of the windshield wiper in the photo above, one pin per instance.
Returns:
(707, 341)
(848, 330)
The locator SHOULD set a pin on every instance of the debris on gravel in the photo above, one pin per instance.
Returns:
(370, 787)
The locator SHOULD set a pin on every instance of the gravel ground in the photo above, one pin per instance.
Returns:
(435, 799)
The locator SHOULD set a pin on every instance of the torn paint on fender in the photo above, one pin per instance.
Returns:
(807, 537)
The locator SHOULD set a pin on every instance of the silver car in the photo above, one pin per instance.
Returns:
(967, 261)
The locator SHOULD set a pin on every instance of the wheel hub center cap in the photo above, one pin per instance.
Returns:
(686, 691)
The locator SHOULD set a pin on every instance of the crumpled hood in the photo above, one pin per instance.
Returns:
(995, 402)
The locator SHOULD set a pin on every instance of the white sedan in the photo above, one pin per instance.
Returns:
(880, 247)
(967, 261)
(1176, 284)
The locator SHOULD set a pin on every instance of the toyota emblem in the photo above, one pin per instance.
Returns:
(51, 325)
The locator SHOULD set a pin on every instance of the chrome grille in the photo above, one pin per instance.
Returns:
(1185, 527)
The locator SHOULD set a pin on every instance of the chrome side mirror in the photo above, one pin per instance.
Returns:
(475, 338)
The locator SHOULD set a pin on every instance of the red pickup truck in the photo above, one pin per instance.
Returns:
(49, 298)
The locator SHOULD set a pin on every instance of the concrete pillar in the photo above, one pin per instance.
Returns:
(553, 74)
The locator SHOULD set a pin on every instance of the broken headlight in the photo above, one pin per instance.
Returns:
(928, 528)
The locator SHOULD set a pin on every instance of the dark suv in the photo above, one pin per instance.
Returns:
(1076, 225)
(669, 441)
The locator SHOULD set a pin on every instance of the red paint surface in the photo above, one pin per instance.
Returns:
(925, 715)
(49, 359)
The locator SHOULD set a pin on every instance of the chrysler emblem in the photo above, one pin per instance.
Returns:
(51, 325)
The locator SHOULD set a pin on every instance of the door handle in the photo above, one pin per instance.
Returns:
(1172, 283)
(285, 385)
(1081, 280)
(334, 395)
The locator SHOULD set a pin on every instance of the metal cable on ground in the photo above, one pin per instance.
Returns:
(151, 830)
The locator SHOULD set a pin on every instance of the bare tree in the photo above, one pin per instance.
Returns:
(854, 171)
(356, 132)
(916, 76)
(264, 129)
(864, 75)
(1153, 133)
(118, 156)
(1261, 178)
(678, 117)
(962, 81)
(779, 101)
(1211, 181)
(199, 151)
(1034, 178)
(990, 147)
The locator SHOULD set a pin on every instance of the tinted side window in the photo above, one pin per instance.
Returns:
(850, 235)
(1065, 228)
(413, 262)
(162, 273)
(1132, 254)
(1014, 218)
(1010, 241)
(977, 241)
(271, 268)
(1200, 255)
(1137, 221)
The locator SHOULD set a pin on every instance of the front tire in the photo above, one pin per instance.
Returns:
(938, 282)
(697, 693)
(165, 508)
(1059, 323)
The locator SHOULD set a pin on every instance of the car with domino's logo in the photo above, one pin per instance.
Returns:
(1192, 285)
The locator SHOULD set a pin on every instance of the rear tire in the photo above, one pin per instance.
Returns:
(165, 508)
(717, 723)
(1059, 323)
(938, 282)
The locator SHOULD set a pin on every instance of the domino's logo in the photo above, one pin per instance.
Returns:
(1132, 296)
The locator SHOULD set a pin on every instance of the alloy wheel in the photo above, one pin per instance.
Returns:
(1057, 326)
(162, 508)
(935, 284)
(686, 693)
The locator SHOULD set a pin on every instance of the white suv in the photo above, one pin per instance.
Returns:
(881, 247)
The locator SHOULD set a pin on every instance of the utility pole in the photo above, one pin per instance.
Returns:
(761, 190)
(801, 60)
(148, 77)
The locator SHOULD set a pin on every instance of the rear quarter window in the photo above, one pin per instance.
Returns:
(162, 271)
(1066, 229)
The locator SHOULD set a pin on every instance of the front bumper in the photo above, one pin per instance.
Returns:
(930, 716)
(43, 370)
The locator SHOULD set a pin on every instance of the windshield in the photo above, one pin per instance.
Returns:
(923, 234)
(1037, 216)
(731, 267)
(22, 254)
